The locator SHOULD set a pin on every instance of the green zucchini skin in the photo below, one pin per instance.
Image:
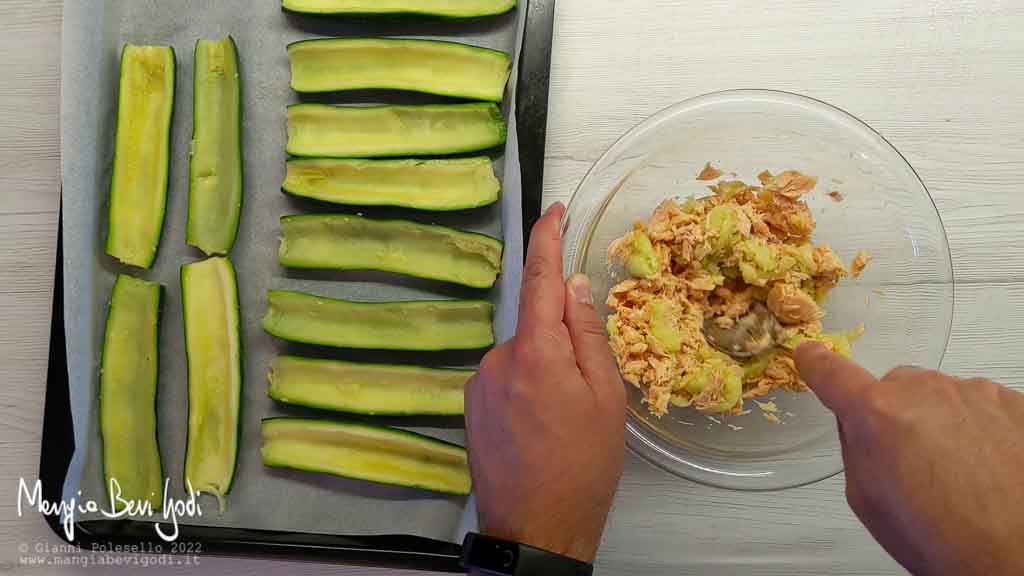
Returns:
(347, 242)
(366, 452)
(142, 151)
(323, 130)
(129, 375)
(372, 389)
(209, 297)
(445, 9)
(443, 184)
(427, 66)
(424, 325)
(216, 177)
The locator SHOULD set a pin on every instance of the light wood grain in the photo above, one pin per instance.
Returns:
(29, 99)
(940, 79)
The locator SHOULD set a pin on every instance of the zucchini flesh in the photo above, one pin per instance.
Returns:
(439, 8)
(215, 170)
(209, 295)
(346, 242)
(128, 382)
(427, 325)
(429, 66)
(365, 452)
(142, 153)
(367, 388)
(441, 184)
(375, 131)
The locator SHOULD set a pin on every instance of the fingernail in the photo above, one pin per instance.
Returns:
(561, 221)
(579, 285)
(809, 345)
(809, 348)
(554, 206)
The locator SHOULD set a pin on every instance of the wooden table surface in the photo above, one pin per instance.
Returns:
(943, 80)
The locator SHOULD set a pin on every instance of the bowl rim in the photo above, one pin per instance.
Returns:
(638, 443)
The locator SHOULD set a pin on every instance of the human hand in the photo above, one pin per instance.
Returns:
(545, 415)
(934, 464)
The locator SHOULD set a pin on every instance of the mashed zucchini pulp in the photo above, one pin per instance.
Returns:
(714, 258)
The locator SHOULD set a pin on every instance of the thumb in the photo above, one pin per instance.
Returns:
(589, 340)
(839, 383)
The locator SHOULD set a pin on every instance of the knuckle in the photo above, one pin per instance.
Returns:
(538, 268)
(859, 504)
(901, 372)
(982, 386)
(490, 364)
(470, 395)
(1010, 396)
(517, 389)
(853, 497)
(537, 347)
(860, 495)
(593, 328)
(877, 401)
(890, 412)
(975, 388)
(522, 350)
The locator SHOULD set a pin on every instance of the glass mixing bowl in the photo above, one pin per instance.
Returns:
(904, 297)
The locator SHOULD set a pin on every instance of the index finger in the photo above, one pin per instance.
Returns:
(839, 383)
(542, 297)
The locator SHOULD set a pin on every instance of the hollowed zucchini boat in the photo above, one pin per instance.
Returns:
(359, 388)
(428, 66)
(439, 184)
(323, 130)
(215, 169)
(426, 325)
(129, 371)
(142, 153)
(366, 452)
(209, 298)
(347, 242)
(436, 8)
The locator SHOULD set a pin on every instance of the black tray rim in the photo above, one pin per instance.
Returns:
(392, 551)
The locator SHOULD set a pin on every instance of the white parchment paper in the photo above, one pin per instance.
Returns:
(261, 498)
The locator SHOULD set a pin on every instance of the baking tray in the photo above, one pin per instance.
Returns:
(526, 111)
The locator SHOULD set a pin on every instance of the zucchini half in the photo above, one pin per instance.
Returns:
(375, 389)
(426, 325)
(375, 131)
(215, 170)
(209, 297)
(440, 184)
(346, 242)
(129, 371)
(428, 66)
(437, 8)
(365, 452)
(142, 154)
